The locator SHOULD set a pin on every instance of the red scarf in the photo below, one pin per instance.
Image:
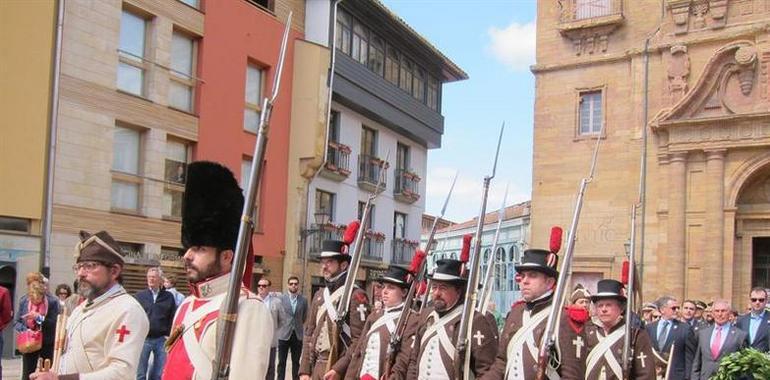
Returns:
(41, 308)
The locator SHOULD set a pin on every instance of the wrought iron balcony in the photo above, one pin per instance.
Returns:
(374, 245)
(337, 165)
(406, 189)
(369, 169)
(323, 232)
(577, 10)
(403, 250)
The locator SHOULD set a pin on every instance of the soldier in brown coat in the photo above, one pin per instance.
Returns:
(320, 319)
(517, 356)
(369, 356)
(605, 339)
(433, 350)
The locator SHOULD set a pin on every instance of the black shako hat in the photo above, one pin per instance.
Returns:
(539, 260)
(448, 270)
(609, 288)
(211, 207)
(335, 249)
(396, 275)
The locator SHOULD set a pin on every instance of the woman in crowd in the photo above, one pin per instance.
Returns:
(63, 292)
(37, 312)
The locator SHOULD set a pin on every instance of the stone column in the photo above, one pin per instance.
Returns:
(713, 261)
(677, 197)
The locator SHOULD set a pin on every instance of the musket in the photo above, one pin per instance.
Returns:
(424, 301)
(486, 288)
(463, 357)
(229, 316)
(549, 336)
(628, 351)
(403, 319)
(343, 307)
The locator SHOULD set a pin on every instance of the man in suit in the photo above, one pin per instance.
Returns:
(717, 341)
(294, 305)
(668, 331)
(757, 322)
(160, 306)
(689, 308)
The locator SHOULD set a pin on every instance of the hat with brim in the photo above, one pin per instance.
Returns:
(334, 249)
(609, 289)
(396, 275)
(539, 260)
(99, 247)
(700, 305)
(448, 270)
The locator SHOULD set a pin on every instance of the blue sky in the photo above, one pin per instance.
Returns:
(494, 42)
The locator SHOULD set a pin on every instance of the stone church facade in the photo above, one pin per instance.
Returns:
(688, 79)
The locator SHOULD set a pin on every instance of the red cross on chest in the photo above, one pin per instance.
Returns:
(122, 332)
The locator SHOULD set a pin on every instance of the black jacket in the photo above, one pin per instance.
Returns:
(761, 339)
(683, 338)
(160, 313)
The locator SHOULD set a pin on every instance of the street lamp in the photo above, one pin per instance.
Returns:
(627, 246)
(321, 217)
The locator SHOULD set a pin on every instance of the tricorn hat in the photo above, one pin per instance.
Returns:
(99, 247)
(448, 270)
(539, 260)
(579, 293)
(396, 275)
(609, 288)
(335, 249)
(212, 206)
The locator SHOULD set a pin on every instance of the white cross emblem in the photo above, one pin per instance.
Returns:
(479, 336)
(362, 311)
(641, 358)
(578, 342)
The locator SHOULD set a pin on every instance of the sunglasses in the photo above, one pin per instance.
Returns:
(261, 286)
(674, 308)
(293, 283)
(757, 300)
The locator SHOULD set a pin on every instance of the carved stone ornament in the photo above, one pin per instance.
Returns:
(698, 14)
(678, 72)
(589, 33)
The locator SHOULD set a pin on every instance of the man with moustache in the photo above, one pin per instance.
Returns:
(106, 333)
(211, 216)
(370, 354)
(435, 342)
(321, 317)
(606, 336)
(517, 356)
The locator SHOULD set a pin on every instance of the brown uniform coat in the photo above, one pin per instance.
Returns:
(570, 367)
(429, 358)
(643, 365)
(318, 326)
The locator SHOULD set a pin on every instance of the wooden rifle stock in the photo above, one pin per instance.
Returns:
(228, 318)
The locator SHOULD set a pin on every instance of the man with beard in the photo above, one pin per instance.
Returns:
(211, 215)
(323, 309)
(106, 333)
(369, 356)
(606, 336)
(433, 351)
(517, 356)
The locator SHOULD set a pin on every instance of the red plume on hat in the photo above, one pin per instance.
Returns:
(465, 253)
(419, 257)
(624, 272)
(556, 233)
(350, 233)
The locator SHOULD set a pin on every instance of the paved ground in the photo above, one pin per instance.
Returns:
(11, 369)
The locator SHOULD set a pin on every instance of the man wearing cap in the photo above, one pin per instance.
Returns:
(106, 333)
(605, 338)
(434, 344)
(370, 354)
(321, 317)
(211, 214)
(517, 356)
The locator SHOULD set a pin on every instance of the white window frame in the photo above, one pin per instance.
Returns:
(594, 128)
(179, 78)
(133, 61)
(253, 105)
(128, 178)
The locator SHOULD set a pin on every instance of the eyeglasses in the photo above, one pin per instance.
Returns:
(88, 266)
(262, 286)
(757, 300)
(674, 308)
(293, 283)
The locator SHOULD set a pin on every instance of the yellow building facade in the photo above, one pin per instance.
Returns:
(690, 75)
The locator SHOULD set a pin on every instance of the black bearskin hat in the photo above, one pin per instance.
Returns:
(212, 206)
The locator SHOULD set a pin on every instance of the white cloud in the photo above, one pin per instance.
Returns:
(513, 45)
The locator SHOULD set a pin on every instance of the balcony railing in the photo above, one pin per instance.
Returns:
(369, 169)
(576, 10)
(374, 245)
(337, 165)
(406, 189)
(315, 240)
(403, 250)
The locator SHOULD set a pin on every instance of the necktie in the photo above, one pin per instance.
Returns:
(717, 343)
(663, 335)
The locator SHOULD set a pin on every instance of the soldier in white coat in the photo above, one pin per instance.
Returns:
(105, 334)
(211, 214)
